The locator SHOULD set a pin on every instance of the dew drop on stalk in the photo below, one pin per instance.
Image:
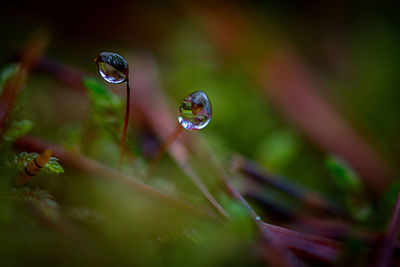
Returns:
(195, 111)
(112, 67)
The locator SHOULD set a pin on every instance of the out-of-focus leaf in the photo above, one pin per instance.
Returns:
(241, 222)
(386, 204)
(22, 159)
(106, 107)
(349, 182)
(100, 95)
(18, 129)
(277, 150)
(164, 185)
(7, 73)
(344, 176)
(71, 136)
(41, 198)
(360, 211)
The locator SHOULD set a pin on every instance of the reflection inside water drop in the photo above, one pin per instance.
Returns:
(195, 111)
(110, 74)
(112, 67)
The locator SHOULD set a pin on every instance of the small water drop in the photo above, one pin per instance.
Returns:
(258, 218)
(195, 111)
(112, 67)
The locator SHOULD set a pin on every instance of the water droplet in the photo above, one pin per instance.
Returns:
(258, 218)
(195, 111)
(112, 67)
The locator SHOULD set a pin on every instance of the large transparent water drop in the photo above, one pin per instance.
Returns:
(195, 111)
(112, 67)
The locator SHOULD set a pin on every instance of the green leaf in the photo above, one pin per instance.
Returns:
(277, 150)
(106, 107)
(241, 222)
(18, 129)
(71, 136)
(40, 198)
(100, 95)
(343, 175)
(349, 182)
(7, 73)
(360, 212)
(22, 159)
(53, 166)
(387, 202)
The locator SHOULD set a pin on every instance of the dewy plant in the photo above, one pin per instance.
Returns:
(194, 114)
(114, 69)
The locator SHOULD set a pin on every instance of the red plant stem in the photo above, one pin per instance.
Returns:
(190, 172)
(304, 245)
(271, 243)
(310, 246)
(124, 131)
(163, 148)
(97, 170)
(388, 243)
(160, 119)
(13, 86)
(310, 198)
(273, 246)
(72, 76)
(274, 209)
(236, 195)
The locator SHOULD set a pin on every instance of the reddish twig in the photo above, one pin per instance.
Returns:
(291, 87)
(271, 207)
(273, 247)
(159, 117)
(329, 228)
(334, 229)
(307, 246)
(64, 73)
(90, 166)
(389, 243)
(323, 248)
(12, 87)
(311, 198)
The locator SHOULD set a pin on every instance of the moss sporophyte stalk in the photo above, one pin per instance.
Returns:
(115, 69)
(194, 114)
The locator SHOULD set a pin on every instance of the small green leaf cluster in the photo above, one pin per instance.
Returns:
(18, 129)
(21, 160)
(106, 107)
(40, 198)
(7, 73)
(351, 186)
